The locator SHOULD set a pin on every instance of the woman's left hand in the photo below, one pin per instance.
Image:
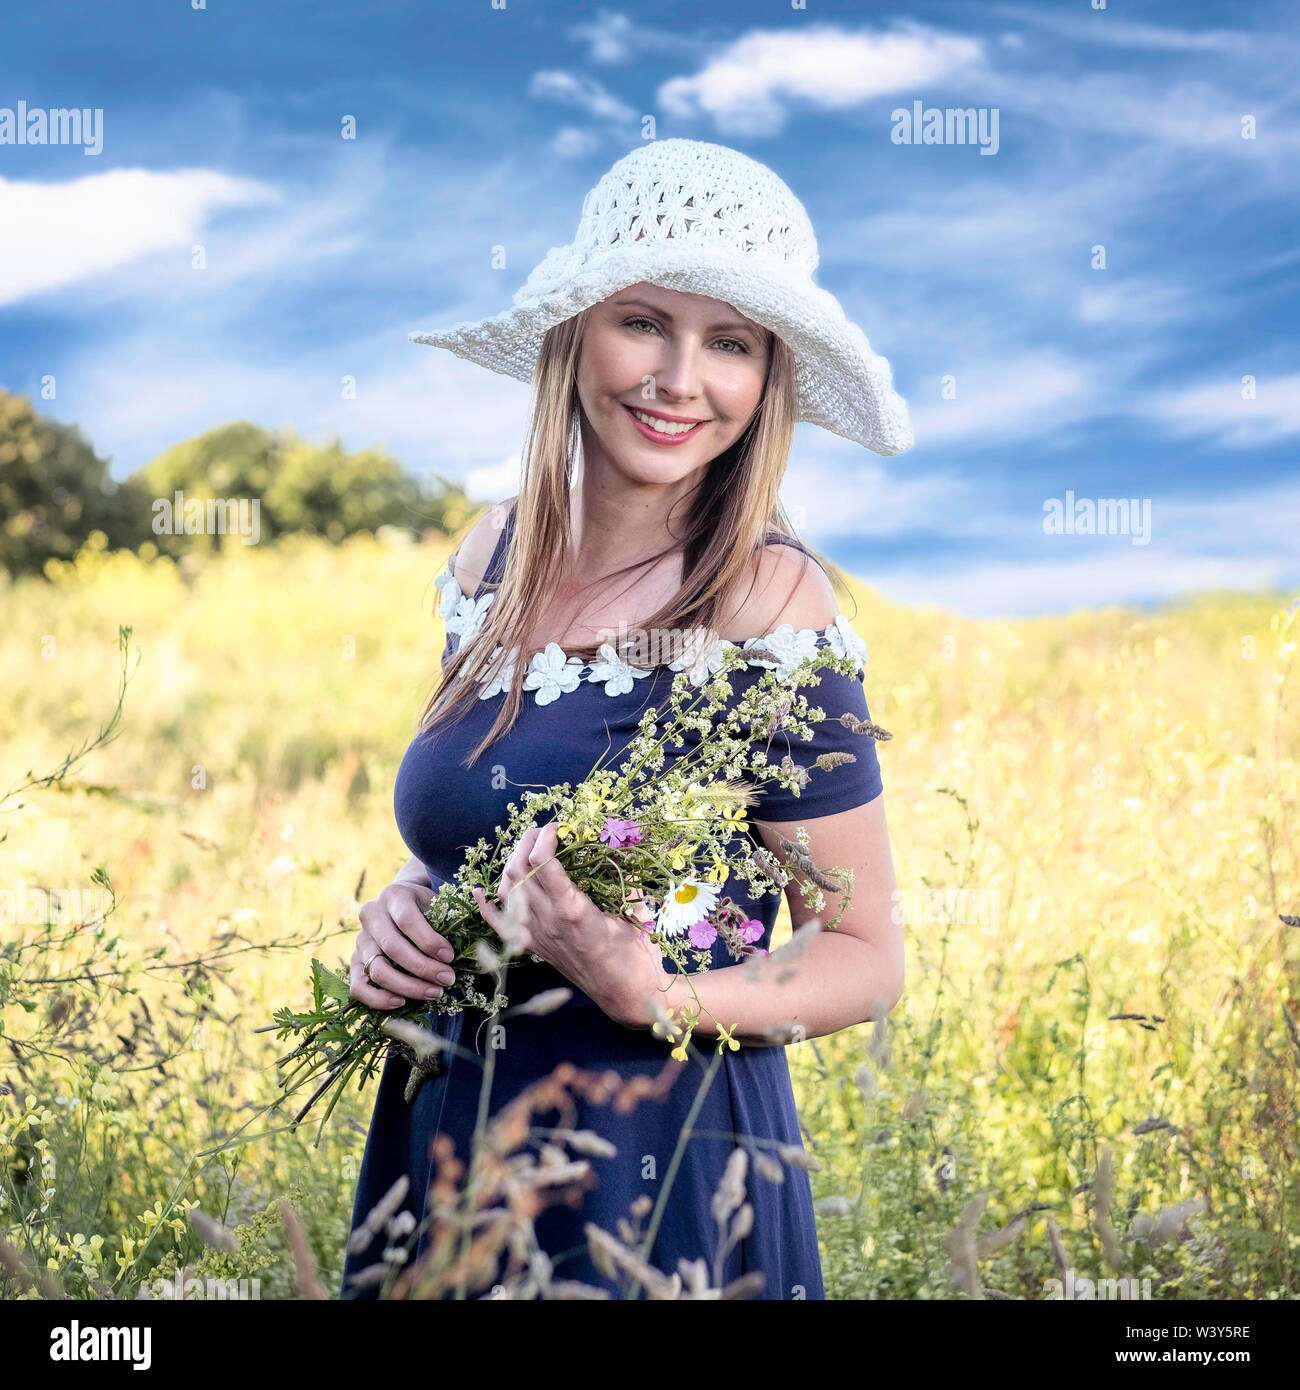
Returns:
(609, 959)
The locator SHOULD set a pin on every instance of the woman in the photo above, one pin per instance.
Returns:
(676, 340)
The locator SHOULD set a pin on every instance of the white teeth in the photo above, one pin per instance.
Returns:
(663, 426)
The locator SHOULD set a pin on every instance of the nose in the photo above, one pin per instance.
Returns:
(680, 370)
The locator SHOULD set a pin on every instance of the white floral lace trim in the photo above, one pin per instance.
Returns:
(552, 672)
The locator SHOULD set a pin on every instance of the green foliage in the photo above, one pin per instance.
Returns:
(56, 494)
(298, 487)
(262, 1251)
(55, 491)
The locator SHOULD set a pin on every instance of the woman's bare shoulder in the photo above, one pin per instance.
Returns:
(474, 554)
(786, 585)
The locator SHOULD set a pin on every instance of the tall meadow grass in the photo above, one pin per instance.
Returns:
(1092, 1073)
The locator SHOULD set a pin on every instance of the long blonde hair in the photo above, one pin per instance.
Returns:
(734, 508)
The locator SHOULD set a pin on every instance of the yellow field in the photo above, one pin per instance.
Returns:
(1092, 816)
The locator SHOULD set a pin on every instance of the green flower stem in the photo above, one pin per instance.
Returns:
(476, 1148)
(682, 1140)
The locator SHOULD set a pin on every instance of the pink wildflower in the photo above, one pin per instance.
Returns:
(703, 934)
(751, 930)
(618, 834)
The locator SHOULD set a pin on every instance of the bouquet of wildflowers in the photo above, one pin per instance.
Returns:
(636, 836)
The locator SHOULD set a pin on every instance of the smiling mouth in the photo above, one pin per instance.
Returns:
(663, 431)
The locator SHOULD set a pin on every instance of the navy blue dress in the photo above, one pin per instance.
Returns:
(570, 713)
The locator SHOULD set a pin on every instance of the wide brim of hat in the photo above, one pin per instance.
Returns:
(841, 384)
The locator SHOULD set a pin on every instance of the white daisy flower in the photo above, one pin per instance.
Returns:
(686, 903)
(551, 673)
(789, 647)
(504, 676)
(843, 641)
(468, 615)
(702, 655)
(617, 675)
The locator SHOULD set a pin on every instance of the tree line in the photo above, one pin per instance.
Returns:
(55, 490)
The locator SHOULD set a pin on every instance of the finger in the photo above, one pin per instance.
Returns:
(489, 907)
(387, 976)
(509, 881)
(407, 911)
(370, 948)
(504, 920)
(546, 871)
(402, 910)
(638, 909)
(516, 867)
(517, 864)
(360, 988)
(513, 921)
(401, 952)
(379, 934)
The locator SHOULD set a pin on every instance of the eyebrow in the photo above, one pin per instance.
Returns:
(664, 314)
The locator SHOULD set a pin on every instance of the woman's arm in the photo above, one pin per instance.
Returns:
(413, 872)
(819, 981)
(822, 981)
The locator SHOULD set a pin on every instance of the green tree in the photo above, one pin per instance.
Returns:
(298, 486)
(55, 490)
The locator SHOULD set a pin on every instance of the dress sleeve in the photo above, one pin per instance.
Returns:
(827, 790)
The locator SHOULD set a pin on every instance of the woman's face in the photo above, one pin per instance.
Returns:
(693, 364)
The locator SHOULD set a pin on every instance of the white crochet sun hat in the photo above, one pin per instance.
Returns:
(705, 219)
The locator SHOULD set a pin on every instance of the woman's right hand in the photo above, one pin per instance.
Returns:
(408, 959)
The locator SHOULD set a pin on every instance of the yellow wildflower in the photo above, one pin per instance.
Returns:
(679, 856)
(665, 1028)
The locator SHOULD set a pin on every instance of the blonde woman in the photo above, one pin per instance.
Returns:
(672, 347)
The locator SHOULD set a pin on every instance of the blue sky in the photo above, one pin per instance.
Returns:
(476, 127)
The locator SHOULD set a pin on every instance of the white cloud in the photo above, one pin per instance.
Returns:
(432, 411)
(581, 91)
(571, 143)
(754, 84)
(494, 482)
(1117, 573)
(1242, 539)
(1189, 114)
(1103, 27)
(1140, 300)
(1037, 392)
(162, 352)
(993, 225)
(609, 37)
(614, 38)
(56, 234)
(750, 87)
(835, 492)
(1220, 410)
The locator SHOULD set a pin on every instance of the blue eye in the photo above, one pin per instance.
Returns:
(742, 346)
